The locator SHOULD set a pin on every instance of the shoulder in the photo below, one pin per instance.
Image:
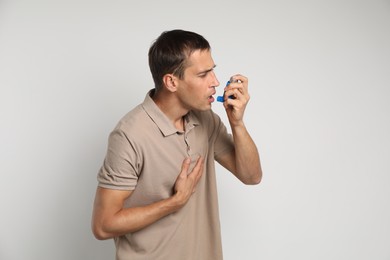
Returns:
(131, 128)
(133, 120)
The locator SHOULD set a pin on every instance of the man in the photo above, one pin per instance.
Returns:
(157, 193)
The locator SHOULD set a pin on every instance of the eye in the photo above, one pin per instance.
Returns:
(204, 74)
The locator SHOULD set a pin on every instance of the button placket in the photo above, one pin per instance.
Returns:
(186, 139)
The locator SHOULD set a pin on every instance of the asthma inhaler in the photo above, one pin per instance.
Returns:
(220, 98)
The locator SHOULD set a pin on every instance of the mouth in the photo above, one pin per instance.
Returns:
(211, 99)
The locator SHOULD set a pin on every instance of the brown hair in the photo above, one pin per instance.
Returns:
(169, 53)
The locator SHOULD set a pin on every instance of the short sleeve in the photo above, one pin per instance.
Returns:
(120, 169)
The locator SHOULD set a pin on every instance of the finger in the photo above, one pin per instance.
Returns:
(197, 166)
(239, 87)
(234, 104)
(236, 93)
(185, 166)
(239, 77)
(239, 81)
(237, 104)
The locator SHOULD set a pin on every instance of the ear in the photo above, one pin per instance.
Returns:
(170, 82)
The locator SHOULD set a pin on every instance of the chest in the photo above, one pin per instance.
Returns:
(161, 163)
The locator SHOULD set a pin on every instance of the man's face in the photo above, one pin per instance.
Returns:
(197, 87)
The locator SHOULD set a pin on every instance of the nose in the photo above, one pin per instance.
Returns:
(215, 81)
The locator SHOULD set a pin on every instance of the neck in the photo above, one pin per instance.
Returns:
(169, 105)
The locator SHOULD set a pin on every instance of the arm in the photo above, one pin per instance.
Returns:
(244, 160)
(111, 219)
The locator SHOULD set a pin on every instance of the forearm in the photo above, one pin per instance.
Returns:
(122, 221)
(111, 219)
(129, 220)
(247, 160)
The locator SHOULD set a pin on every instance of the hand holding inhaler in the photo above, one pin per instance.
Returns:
(235, 99)
(221, 98)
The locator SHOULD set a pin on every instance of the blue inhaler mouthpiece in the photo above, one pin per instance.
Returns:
(220, 99)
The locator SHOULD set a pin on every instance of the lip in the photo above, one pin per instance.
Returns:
(211, 97)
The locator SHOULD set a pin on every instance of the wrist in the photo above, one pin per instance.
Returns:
(176, 201)
(237, 125)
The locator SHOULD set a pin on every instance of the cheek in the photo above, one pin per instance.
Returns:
(196, 89)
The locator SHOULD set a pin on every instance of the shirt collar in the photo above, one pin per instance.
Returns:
(162, 121)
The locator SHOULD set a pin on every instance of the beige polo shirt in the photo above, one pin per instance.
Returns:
(145, 154)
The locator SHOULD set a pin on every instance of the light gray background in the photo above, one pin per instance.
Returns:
(319, 80)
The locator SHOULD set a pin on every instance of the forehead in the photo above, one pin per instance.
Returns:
(200, 60)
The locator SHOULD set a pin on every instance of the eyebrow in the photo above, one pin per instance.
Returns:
(206, 71)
